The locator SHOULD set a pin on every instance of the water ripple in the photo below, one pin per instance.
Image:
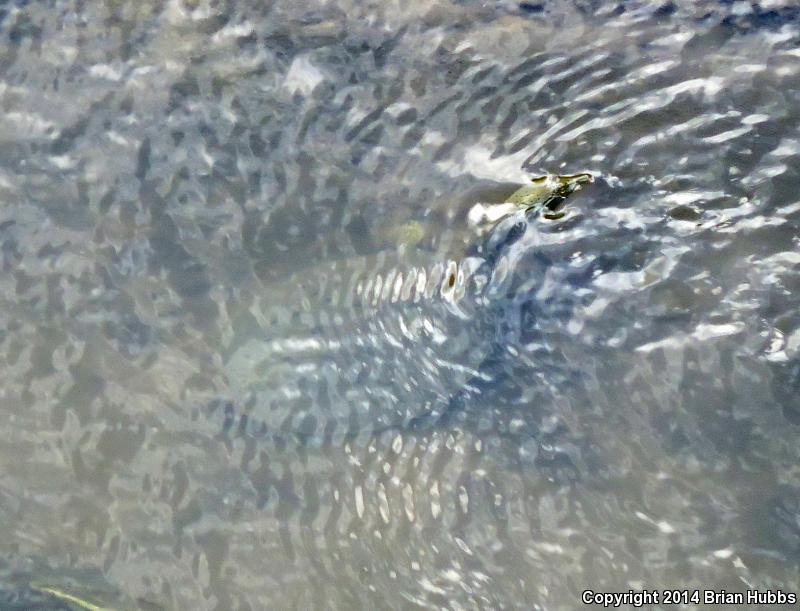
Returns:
(225, 386)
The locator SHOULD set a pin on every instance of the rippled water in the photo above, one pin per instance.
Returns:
(184, 429)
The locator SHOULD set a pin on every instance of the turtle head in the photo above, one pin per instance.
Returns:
(548, 191)
(545, 193)
(563, 184)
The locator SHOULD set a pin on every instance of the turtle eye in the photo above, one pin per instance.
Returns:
(555, 203)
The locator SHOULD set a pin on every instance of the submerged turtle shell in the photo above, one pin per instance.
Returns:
(364, 343)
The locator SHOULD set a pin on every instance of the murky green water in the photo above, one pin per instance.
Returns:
(203, 411)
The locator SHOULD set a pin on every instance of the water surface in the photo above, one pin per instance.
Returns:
(633, 420)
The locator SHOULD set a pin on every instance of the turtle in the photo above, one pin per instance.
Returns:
(392, 338)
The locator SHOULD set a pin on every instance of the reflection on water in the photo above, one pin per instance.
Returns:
(220, 390)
